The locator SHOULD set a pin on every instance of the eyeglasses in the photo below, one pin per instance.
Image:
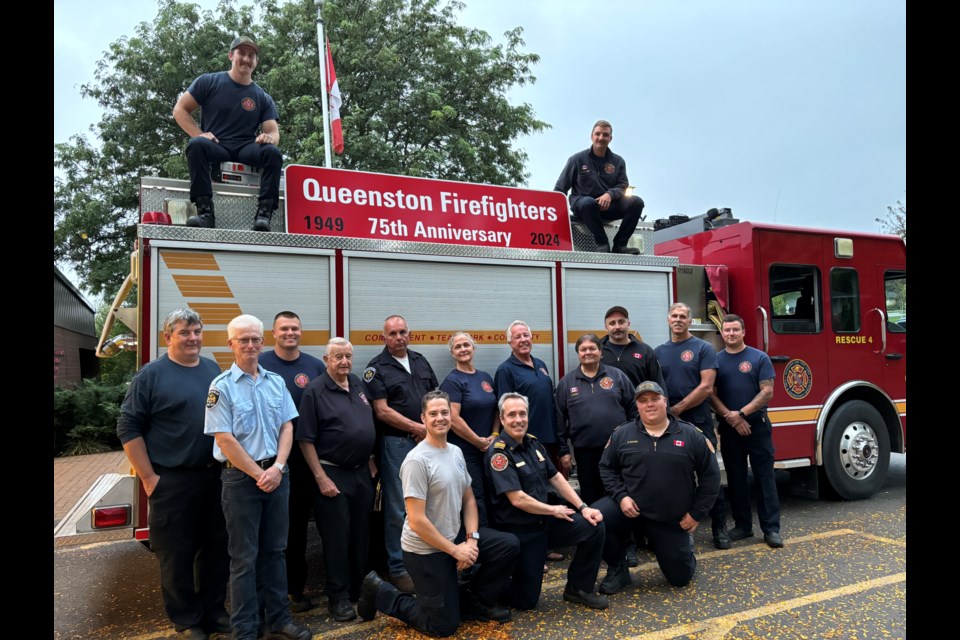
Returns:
(246, 341)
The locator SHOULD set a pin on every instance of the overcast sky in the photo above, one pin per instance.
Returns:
(785, 111)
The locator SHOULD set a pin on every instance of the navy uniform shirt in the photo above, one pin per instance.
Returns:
(518, 466)
(338, 422)
(681, 363)
(385, 378)
(535, 383)
(738, 382)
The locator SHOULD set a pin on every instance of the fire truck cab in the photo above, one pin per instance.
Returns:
(829, 308)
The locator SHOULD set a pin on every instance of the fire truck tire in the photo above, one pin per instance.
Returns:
(856, 451)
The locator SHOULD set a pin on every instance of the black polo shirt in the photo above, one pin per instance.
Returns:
(338, 422)
(523, 466)
(386, 378)
(636, 359)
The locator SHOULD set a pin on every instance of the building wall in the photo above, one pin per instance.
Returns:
(73, 357)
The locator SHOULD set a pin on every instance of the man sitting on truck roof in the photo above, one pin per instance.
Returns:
(596, 179)
(234, 107)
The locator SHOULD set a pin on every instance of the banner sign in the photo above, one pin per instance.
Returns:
(379, 206)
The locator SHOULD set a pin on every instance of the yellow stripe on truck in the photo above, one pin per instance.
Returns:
(203, 286)
(190, 260)
(782, 416)
(369, 337)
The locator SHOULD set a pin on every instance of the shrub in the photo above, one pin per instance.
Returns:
(85, 418)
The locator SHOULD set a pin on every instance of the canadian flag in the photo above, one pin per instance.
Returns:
(335, 101)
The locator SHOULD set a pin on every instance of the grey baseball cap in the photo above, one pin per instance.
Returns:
(648, 386)
(250, 42)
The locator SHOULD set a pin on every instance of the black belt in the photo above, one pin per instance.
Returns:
(266, 463)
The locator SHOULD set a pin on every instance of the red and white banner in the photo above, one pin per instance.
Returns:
(336, 131)
(379, 206)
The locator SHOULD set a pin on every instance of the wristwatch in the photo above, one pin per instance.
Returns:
(742, 415)
(282, 466)
(583, 505)
(474, 536)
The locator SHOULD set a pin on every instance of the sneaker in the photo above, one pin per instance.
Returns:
(592, 600)
(476, 610)
(721, 539)
(367, 605)
(291, 631)
(403, 582)
(739, 533)
(299, 604)
(617, 578)
(342, 611)
(773, 540)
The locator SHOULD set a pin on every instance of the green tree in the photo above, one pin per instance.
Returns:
(423, 96)
(895, 220)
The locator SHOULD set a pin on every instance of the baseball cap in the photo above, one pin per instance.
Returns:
(648, 386)
(239, 40)
(616, 309)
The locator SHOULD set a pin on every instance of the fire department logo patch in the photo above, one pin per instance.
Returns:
(248, 104)
(499, 461)
(363, 397)
(745, 367)
(213, 397)
(486, 386)
(609, 168)
(368, 374)
(606, 383)
(687, 355)
(302, 380)
(543, 370)
(797, 379)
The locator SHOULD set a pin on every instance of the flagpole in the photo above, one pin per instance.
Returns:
(323, 85)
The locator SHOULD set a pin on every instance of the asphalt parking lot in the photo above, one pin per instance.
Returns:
(842, 574)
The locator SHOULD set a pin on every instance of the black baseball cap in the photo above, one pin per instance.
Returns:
(616, 309)
(250, 42)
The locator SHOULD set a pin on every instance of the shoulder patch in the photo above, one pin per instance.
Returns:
(368, 373)
(499, 462)
(499, 444)
(213, 397)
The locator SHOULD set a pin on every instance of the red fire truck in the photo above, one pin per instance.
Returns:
(355, 247)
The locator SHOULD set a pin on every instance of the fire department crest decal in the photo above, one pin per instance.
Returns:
(745, 367)
(499, 461)
(302, 380)
(248, 104)
(609, 168)
(486, 386)
(368, 374)
(687, 355)
(797, 379)
(606, 383)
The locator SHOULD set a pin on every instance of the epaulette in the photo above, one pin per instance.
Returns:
(532, 436)
(499, 444)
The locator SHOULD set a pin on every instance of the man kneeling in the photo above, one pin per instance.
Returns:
(436, 486)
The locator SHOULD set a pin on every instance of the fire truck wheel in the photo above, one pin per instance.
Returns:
(856, 450)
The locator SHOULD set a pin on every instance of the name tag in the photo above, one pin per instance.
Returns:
(520, 464)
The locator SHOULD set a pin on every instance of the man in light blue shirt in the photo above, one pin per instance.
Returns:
(249, 413)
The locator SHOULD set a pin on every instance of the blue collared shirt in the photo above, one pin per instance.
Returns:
(253, 410)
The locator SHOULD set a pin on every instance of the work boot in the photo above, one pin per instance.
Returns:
(721, 539)
(265, 209)
(204, 217)
(617, 578)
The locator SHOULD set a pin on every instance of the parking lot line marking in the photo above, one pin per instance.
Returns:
(716, 628)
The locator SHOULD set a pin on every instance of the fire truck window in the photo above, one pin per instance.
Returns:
(844, 301)
(896, 289)
(794, 298)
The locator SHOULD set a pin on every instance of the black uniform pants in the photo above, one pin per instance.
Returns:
(527, 579)
(718, 512)
(668, 541)
(344, 524)
(189, 536)
(301, 502)
(435, 609)
(588, 473)
(758, 447)
(628, 208)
